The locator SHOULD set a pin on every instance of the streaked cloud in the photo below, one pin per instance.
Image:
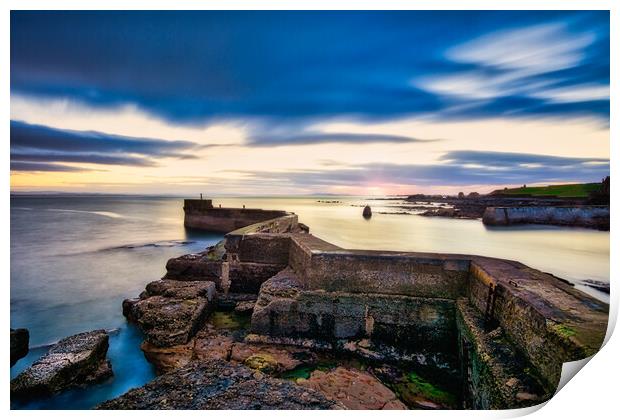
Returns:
(19, 166)
(35, 144)
(402, 99)
(316, 138)
(533, 62)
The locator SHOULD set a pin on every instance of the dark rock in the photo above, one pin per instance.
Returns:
(216, 384)
(356, 390)
(181, 289)
(167, 321)
(367, 213)
(207, 344)
(170, 312)
(74, 361)
(200, 267)
(19, 344)
(229, 301)
(245, 307)
(271, 359)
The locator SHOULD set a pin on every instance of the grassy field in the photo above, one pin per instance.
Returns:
(566, 190)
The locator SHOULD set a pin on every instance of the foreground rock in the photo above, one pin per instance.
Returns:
(215, 384)
(170, 312)
(354, 389)
(19, 344)
(73, 361)
(211, 343)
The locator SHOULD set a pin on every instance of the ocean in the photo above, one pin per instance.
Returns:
(75, 258)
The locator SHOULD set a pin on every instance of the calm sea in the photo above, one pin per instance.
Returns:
(74, 259)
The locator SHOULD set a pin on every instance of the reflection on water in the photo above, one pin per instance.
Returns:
(70, 271)
(74, 259)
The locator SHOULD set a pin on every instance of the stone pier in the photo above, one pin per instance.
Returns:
(499, 328)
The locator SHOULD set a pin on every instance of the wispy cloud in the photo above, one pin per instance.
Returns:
(529, 62)
(19, 166)
(316, 138)
(32, 145)
(356, 64)
(456, 168)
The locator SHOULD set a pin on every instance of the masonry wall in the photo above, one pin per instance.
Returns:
(200, 214)
(394, 273)
(256, 253)
(586, 216)
(500, 318)
(547, 319)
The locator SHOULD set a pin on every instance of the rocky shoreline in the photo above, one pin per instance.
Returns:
(532, 210)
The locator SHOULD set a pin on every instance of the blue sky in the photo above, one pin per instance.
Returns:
(351, 102)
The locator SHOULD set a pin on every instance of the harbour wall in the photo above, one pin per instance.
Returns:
(503, 328)
(582, 216)
(201, 214)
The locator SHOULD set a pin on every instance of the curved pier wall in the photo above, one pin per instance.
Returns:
(257, 252)
(584, 216)
(200, 214)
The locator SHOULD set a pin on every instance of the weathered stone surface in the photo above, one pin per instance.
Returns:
(211, 343)
(73, 361)
(538, 312)
(215, 384)
(169, 321)
(264, 248)
(207, 344)
(584, 216)
(166, 359)
(245, 307)
(321, 267)
(212, 346)
(495, 375)
(422, 327)
(19, 344)
(270, 358)
(181, 289)
(228, 302)
(200, 267)
(248, 277)
(216, 219)
(354, 389)
(417, 392)
(170, 312)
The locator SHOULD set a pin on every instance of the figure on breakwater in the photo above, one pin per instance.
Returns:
(497, 329)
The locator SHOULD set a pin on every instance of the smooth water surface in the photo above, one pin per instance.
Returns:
(74, 259)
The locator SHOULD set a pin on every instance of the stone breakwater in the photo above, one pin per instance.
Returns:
(582, 216)
(497, 328)
(200, 214)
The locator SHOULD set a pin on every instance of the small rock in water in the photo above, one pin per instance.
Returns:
(73, 361)
(367, 213)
